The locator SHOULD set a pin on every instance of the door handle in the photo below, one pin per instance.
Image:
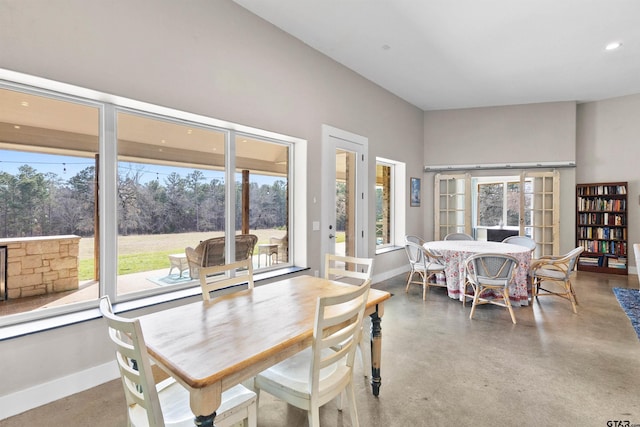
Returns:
(331, 236)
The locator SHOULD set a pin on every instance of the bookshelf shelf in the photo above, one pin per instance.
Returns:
(601, 227)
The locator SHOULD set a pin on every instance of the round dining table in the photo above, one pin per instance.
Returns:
(456, 252)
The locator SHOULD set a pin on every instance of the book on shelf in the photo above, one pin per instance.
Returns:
(591, 261)
(601, 228)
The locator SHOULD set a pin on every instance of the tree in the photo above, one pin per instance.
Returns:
(197, 194)
(31, 196)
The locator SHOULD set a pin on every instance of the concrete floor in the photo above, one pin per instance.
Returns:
(554, 368)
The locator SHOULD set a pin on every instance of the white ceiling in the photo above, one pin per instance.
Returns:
(444, 54)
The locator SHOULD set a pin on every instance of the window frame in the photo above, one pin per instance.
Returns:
(108, 106)
(544, 210)
(504, 181)
(397, 200)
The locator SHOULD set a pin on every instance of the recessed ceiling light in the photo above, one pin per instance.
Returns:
(16, 126)
(613, 46)
(25, 103)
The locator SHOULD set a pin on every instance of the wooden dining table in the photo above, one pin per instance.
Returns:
(209, 347)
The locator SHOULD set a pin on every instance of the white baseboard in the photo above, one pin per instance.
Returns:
(24, 400)
(389, 274)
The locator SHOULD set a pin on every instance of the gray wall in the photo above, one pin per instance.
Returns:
(609, 150)
(518, 133)
(209, 57)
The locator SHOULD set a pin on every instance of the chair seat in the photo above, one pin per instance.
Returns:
(431, 267)
(174, 401)
(549, 273)
(494, 283)
(293, 374)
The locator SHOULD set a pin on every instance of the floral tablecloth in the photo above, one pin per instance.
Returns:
(456, 252)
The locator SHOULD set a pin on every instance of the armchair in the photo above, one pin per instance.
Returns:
(558, 270)
(283, 246)
(210, 252)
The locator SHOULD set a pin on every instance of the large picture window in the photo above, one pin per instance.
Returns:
(165, 175)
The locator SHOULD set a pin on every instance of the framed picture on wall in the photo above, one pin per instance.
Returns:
(415, 192)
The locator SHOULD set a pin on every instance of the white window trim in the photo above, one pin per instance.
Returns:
(398, 203)
(108, 105)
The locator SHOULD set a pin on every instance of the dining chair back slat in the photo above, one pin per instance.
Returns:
(224, 276)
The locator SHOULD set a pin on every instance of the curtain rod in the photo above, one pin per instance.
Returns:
(524, 165)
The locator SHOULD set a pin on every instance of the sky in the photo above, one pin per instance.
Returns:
(66, 167)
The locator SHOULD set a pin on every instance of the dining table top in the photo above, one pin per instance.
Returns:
(235, 336)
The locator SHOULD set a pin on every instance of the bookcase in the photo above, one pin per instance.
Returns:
(601, 227)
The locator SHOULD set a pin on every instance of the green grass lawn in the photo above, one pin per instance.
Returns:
(131, 263)
(142, 260)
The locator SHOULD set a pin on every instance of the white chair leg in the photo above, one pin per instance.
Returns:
(314, 416)
(352, 405)
(364, 349)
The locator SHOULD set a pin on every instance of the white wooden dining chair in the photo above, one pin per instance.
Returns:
(425, 264)
(490, 272)
(348, 269)
(224, 276)
(165, 403)
(355, 271)
(319, 374)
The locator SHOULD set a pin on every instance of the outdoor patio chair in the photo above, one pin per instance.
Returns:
(283, 246)
(210, 252)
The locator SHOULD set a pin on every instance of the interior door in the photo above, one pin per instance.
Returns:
(343, 225)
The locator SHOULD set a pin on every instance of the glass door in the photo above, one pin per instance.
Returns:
(343, 226)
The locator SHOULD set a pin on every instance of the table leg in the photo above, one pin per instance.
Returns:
(376, 352)
(205, 420)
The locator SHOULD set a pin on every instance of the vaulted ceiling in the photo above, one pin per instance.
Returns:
(444, 54)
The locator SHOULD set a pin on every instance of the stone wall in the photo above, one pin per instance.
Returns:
(41, 265)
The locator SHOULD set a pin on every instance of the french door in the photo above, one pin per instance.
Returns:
(539, 207)
(344, 196)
